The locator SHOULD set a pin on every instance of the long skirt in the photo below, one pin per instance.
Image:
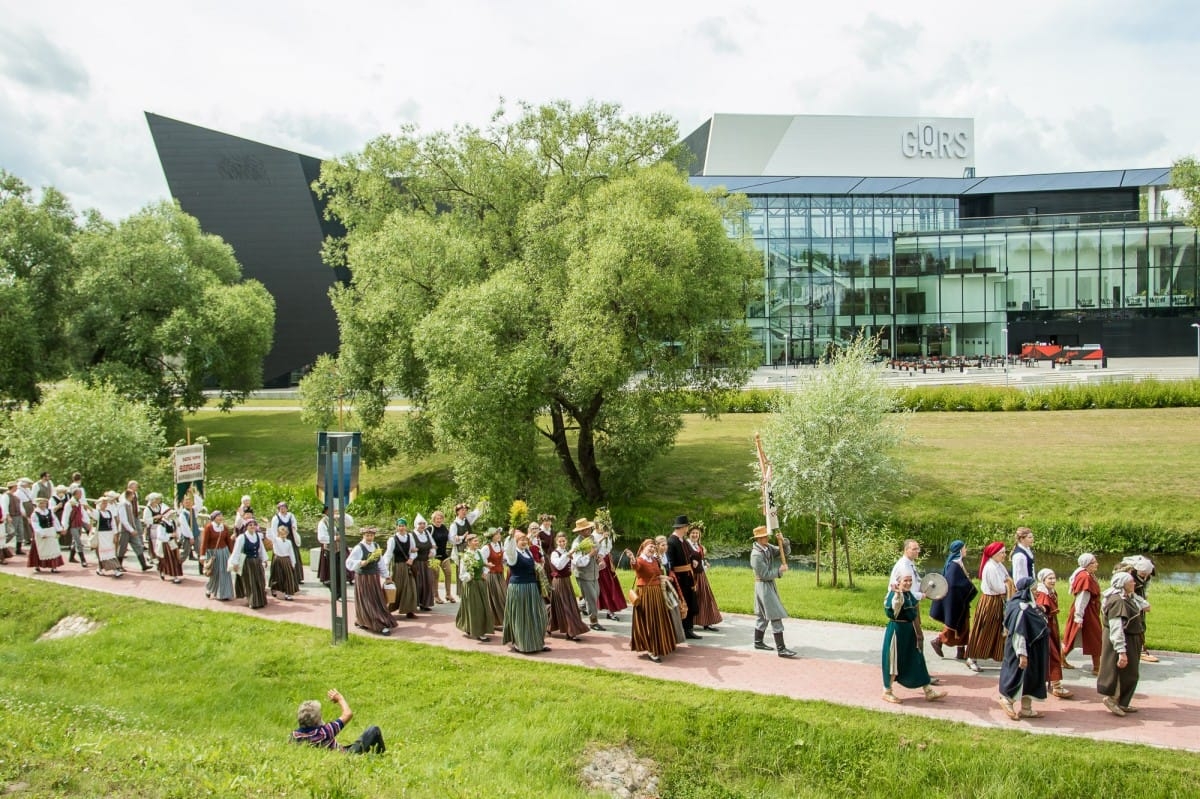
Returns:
(612, 598)
(903, 660)
(1031, 680)
(283, 575)
(406, 589)
(652, 626)
(671, 597)
(251, 583)
(220, 581)
(987, 634)
(426, 583)
(370, 604)
(524, 617)
(496, 590)
(169, 564)
(1088, 635)
(474, 615)
(564, 610)
(1117, 682)
(323, 566)
(707, 613)
(44, 552)
(106, 550)
(1054, 671)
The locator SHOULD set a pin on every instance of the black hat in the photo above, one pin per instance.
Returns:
(681, 521)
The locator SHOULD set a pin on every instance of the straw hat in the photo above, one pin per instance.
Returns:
(582, 526)
(761, 532)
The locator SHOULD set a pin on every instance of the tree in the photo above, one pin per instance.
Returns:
(36, 270)
(90, 429)
(1185, 176)
(552, 279)
(830, 443)
(160, 311)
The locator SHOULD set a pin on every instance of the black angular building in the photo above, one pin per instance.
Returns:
(259, 199)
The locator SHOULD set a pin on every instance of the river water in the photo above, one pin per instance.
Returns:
(1169, 569)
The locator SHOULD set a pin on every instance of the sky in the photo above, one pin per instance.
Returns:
(1052, 86)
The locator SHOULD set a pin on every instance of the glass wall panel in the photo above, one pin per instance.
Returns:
(1163, 259)
(1184, 240)
(1112, 258)
(1087, 260)
(777, 219)
(1137, 269)
(1063, 265)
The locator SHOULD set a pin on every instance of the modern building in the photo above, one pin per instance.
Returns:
(880, 223)
(259, 199)
(864, 223)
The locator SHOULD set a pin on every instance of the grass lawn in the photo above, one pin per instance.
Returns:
(128, 711)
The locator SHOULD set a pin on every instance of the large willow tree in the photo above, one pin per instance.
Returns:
(543, 290)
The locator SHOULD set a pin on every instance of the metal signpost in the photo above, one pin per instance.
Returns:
(337, 486)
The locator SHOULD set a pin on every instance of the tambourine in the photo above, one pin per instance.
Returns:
(934, 586)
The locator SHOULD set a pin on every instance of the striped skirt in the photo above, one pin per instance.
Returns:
(653, 629)
(220, 581)
(169, 564)
(524, 617)
(284, 577)
(564, 610)
(987, 633)
(474, 617)
(707, 613)
(251, 583)
(497, 590)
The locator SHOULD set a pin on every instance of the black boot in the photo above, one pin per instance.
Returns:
(780, 648)
(142, 560)
(758, 640)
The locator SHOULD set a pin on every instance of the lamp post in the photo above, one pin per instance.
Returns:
(1197, 326)
(1004, 353)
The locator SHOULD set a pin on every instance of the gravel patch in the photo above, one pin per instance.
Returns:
(620, 773)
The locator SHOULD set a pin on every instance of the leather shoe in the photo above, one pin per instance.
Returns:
(598, 628)
(764, 647)
(694, 637)
(936, 643)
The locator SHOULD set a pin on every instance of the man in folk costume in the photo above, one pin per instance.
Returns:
(130, 535)
(14, 516)
(44, 488)
(679, 555)
(585, 562)
(769, 563)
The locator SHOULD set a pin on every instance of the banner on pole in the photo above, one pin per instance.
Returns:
(768, 496)
(189, 463)
(344, 487)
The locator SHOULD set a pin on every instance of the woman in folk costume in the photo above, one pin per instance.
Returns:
(426, 579)
(1026, 653)
(285, 518)
(104, 533)
(493, 554)
(160, 519)
(44, 551)
(285, 563)
(474, 617)
(1083, 625)
(1124, 615)
(249, 563)
(323, 538)
(707, 613)
(987, 634)
(397, 562)
(903, 658)
(524, 610)
(216, 545)
(370, 604)
(564, 610)
(653, 631)
(612, 598)
(1046, 597)
(954, 609)
(671, 591)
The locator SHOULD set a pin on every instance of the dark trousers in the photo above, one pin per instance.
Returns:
(687, 586)
(370, 741)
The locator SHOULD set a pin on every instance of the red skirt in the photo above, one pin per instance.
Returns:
(612, 598)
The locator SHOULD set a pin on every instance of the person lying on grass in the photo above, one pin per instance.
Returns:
(311, 731)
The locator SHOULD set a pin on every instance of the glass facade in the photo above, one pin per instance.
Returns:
(934, 285)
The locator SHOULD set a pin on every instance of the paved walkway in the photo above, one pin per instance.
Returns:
(838, 663)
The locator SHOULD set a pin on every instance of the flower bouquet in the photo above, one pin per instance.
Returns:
(472, 566)
(368, 563)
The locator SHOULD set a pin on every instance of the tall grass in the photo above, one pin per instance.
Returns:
(129, 711)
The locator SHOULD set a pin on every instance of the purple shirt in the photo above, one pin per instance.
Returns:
(324, 736)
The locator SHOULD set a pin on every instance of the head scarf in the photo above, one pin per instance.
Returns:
(1041, 580)
(988, 551)
(1117, 584)
(1020, 618)
(1084, 560)
(956, 548)
(419, 520)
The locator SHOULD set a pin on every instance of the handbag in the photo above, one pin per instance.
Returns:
(207, 568)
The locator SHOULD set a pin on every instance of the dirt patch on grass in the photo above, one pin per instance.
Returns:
(70, 626)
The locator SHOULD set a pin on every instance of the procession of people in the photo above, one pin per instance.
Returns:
(530, 584)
